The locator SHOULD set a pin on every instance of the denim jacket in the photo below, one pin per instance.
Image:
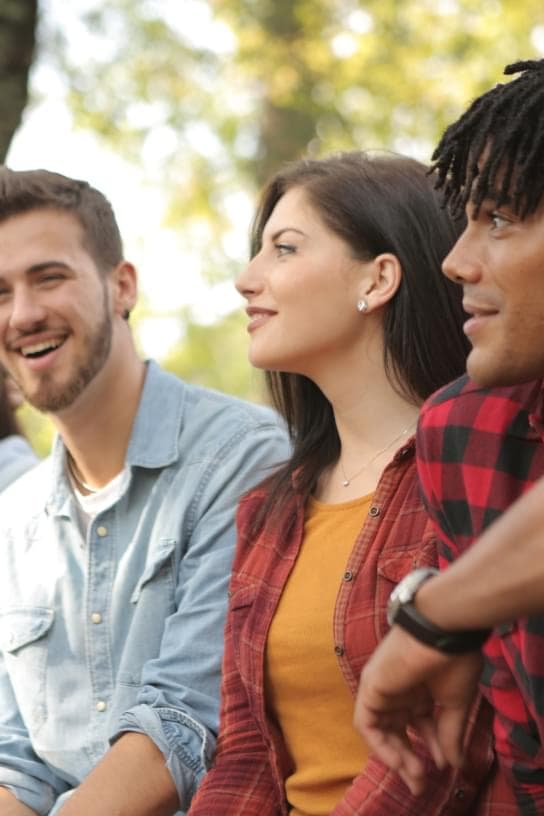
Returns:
(123, 630)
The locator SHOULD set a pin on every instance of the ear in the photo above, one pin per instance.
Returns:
(381, 278)
(124, 283)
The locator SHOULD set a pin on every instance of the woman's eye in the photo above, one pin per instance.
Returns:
(284, 249)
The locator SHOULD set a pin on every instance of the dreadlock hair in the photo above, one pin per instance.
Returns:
(496, 149)
(375, 203)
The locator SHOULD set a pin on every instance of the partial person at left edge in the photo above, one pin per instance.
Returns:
(116, 550)
(16, 455)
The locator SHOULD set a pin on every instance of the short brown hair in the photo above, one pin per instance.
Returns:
(22, 191)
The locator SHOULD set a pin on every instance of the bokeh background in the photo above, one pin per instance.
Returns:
(179, 110)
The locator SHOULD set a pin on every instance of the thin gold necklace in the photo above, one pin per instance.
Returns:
(79, 483)
(346, 482)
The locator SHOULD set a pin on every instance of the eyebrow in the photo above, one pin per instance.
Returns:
(35, 269)
(276, 235)
(39, 267)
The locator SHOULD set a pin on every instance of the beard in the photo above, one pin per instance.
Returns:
(50, 397)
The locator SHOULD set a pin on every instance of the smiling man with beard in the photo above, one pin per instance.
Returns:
(114, 552)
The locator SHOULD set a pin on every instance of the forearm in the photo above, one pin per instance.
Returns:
(11, 806)
(500, 578)
(131, 780)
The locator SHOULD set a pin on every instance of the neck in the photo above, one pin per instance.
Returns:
(96, 429)
(373, 421)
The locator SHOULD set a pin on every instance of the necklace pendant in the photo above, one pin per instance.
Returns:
(345, 483)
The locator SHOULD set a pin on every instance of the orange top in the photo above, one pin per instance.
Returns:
(306, 691)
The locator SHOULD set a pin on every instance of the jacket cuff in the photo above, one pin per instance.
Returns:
(187, 746)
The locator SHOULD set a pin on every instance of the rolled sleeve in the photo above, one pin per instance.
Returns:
(185, 744)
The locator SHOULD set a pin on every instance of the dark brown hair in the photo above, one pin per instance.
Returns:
(8, 422)
(376, 203)
(22, 191)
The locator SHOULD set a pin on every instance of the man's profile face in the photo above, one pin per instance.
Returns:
(55, 314)
(499, 261)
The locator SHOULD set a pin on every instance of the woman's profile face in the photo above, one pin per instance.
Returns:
(302, 290)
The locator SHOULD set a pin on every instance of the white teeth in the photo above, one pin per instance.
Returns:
(38, 347)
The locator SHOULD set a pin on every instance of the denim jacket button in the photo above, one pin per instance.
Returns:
(102, 531)
(96, 617)
(101, 705)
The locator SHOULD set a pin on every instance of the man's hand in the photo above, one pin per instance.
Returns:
(406, 684)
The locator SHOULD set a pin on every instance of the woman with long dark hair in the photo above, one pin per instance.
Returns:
(354, 323)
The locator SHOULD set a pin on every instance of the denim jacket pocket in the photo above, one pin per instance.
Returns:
(24, 646)
(158, 562)
(152, 600)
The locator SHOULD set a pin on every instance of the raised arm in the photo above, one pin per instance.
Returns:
(500, 578)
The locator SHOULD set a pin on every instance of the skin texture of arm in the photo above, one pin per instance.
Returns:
(131, 780)
(10, 805)
(404, 679)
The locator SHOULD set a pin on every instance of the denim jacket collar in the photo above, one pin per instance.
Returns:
(154, 441)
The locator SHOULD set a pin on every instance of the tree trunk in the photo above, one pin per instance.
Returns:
(17, 40)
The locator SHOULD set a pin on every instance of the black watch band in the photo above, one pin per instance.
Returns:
(422, 629)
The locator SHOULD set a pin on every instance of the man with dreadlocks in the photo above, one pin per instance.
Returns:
(480, 446)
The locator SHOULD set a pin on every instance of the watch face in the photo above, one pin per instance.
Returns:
(406, 589)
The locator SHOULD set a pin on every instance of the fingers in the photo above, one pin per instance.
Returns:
(395, 750)
(427, 729)
(451, 728)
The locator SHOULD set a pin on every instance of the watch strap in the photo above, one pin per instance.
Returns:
(450, 642)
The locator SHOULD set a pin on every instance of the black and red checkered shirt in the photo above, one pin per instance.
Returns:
(478, 450)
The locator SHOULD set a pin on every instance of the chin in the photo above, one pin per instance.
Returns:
(499, 372)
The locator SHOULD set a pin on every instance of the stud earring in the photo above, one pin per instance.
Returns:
(362, 305)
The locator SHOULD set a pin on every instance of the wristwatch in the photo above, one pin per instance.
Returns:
(402, 612)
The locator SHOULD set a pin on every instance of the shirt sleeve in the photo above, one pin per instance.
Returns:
(178, 705)
(21, 771)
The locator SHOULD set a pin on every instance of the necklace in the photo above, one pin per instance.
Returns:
(346, 482)
(76, 478)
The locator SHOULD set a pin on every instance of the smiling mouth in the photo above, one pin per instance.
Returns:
(41, 349)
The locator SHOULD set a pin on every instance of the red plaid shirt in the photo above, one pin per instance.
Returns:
(251, 762)
(478, 450)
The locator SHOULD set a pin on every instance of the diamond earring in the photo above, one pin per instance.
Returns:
(362, 305)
